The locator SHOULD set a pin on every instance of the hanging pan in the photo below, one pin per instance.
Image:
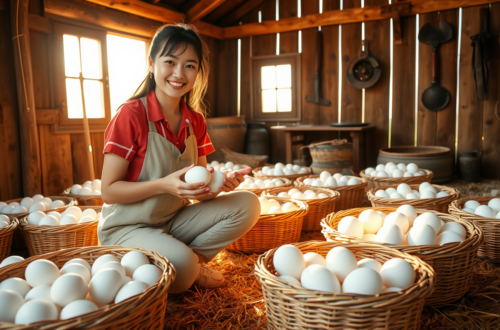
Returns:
(364, 71)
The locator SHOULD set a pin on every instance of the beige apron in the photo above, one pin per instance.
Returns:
(162, 158)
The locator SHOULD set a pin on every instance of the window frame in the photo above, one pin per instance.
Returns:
(257, 62)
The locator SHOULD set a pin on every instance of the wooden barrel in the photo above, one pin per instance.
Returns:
(331, 156)
(226, 132)
(257, 141)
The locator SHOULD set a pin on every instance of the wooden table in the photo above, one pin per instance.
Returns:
(358, 135)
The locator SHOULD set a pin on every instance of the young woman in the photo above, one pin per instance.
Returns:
(154, 139)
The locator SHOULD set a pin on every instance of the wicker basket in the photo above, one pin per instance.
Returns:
(258, 192)
(318, 208)
(453, 262)
(292, 177)
(46, 239)
(272, 230)
(490, 226)
(6, 235)
(237, 158)
(92, 200)
(374, 181)
(433, 204)
(69, 201)
(144, 311)
(292, 307)
(350, 196)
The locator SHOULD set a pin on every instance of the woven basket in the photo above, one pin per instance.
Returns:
(350, 196)
(272, 230)
(292, 307)
(46, 239)
(92, 200)
(490, 226)
(453, 262)
(237, 158)
(144, 311)
(69, 201)
(292, 177)
(318, 208)
(374, 181)
(258, 192)
(432, 204)
(6, 235)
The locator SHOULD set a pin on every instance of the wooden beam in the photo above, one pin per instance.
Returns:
(202, 9)
(30, 153)
(346, 16)
(240, 12)
(40, 23)
(47, 116)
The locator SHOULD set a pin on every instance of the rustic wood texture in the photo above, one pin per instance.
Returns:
(97, 140)
(265, 44)
(79, 159)
(227, 78)
(222, 11)
(40, 23)
(211, 96)
(289, 41)
(47, 116)
(240, 12)
(202, 8)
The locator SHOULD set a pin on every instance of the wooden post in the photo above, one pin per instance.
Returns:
(30, 153)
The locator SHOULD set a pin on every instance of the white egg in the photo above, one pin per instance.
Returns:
(404, 189)
(485, 211)
(288, 171)
(35, 311)
(68, 219)
(27, 202)
(411, 196)
(10, 260)
(290, 280)
(392, 289)
(198, 174)
(407, 175)
(429, 188)
(421, 235)
(322, 195)
(345, 179)
(3, 224)
(341, 184)
(409, 211)
(397, 173)
(14, 204)
(298, 195)
(86, 191)
(380, 167)
(19, 209)
(341, 261)
(416, 192)
(398, 219)
(397, 272)
(77, 308)
(293, 191)
(56, 204)
(317, 183)
(74, 210)
(229, 165)
(279, 165)
(75, 189)
(289, 207)
(288, 260)
(430, 219)
(129, 290)
(101, 261)
(307, 192)
(363, 281)
(331, 182)
(86, 219)
(313, 258)
(320, 278)
(4, 218)
(41, 272)
(382, 214)
(49, 220)
(369, 237)
(497, 216)
(274, 203)
(265, 169)
(56, 215)
(311, 196)
(390, 168)
(369, 170)
(381, 193)
(2, 205)
(104, 286)
(37, 206)
(371, 221)
(351, 226)
(270, 184)
(303, 170)
(338, 176)
(494, 204)
(370, 263)
(390, 234)
(412, 168)
(454, 227)
(10, 303)
(38, 198)
(264, 205)
(352, 182)
(133, 260)
(296, 168)
(390, 191)
(275, 210)
(419, 173)
(68, 288)
(279, 183)
(76, 268)
(16, 284)
(396, 195)
(278, 171)
(308, 181)
(442, 194)
(471, 204)
(427, 194)
(448, 237)
(79, 261)
(325, 175)
(283, 194)
(402, 167)
(149, 274)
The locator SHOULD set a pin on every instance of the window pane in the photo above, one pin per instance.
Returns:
(124, 53)
(91, 63)
(71, 56)
(74, 98)
(94, 105)
(284, 76)
(268, 77)
(284, 100)
(269, 100)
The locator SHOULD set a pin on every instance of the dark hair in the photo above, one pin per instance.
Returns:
(179, 37)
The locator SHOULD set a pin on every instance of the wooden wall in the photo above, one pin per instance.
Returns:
(408, 122)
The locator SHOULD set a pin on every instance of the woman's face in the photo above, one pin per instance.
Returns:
(176, 74)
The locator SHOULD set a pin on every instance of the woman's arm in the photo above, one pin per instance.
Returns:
(117, 191)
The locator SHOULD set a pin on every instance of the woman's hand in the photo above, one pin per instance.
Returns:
(234, 178)
(174, 184)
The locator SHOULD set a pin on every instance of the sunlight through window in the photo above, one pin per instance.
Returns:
(276, 82)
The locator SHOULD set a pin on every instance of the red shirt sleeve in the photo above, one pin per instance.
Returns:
(122, 132)
(205, 146)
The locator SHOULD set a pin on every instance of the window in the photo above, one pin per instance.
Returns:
(276, 87)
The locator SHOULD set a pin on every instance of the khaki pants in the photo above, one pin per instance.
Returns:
(205, 228)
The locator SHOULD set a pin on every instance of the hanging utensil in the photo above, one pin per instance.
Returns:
(436, 97)
(317, 77)
(364, 71)
(482, 44)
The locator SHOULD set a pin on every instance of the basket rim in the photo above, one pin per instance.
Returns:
(25, 226)
(72, 202)
(287, 183)
(291, 176)
(453, 194)
(349, 300)
(438, 151)
(138, 301)
(333, 195)
(428, 175)
(302, 211)
(14, 223)
(456, 208)
(426, 252)
(363, 183)
(67, 193)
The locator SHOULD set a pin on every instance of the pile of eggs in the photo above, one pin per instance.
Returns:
(200, 174)
(327, 180)
(272, 206)
(251, 183)
(297, 194)
(50, 293)
(229, 166)
(391, 170)
(404, 191)
(71, 216)
(89, 188)
(492, 210)
(280, 169)
(4, 221)
(341, 272)
(31, 204)
(402, 227)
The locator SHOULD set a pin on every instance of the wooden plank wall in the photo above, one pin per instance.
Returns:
(408, 122)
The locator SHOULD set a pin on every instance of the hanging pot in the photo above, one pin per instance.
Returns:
(364, 71)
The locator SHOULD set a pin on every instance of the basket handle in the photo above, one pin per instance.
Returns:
(333, 142)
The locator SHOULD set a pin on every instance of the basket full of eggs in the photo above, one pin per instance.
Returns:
(446, 242)
(423, 196)
(258, 185)
(289, 171)
(326, 285)
(320, 201)
(76, 226)
(280, 222)
(390, 173)
(87, 194)
(86, 288)
(351, 188)
(484, 212)
(7, 227)
(20, 207)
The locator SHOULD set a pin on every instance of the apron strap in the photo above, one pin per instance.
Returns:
(151, 124)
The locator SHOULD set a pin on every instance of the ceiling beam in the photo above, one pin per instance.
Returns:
(202, 8)
(240, 12)
(346, 16)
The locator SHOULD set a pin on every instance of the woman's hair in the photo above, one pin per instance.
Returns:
(179, 37)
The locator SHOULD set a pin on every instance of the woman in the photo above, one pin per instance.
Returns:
(154, 139)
